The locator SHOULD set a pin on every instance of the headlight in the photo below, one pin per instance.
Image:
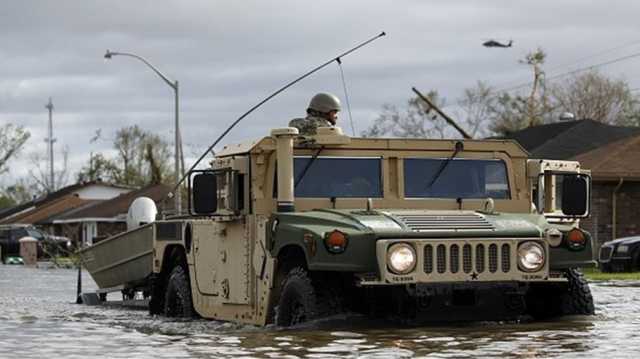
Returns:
(623, 248)
(530, 256)
(401, 258)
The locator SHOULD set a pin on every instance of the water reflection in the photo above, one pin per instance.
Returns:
(38, 319)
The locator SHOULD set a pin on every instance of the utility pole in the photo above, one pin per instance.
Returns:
(50, 140)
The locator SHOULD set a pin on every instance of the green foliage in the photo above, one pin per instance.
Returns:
(20, 192)
(595, 274)
(143, 158)
(12, 138)
(6, 202)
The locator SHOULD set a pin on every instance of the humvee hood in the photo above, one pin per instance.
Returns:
(391, 223)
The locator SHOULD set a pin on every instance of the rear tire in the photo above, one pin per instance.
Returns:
(177, 298)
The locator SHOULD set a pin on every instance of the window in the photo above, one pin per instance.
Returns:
(460, 178)
(327, 177)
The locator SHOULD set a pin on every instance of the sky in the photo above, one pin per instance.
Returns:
(229, 55)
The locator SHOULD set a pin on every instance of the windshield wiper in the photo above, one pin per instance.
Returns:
(443, 166)
(306, 168)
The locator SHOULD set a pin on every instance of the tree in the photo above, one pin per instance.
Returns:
(40, 175)
(99, 168)
(12, 138)
(510, 113)
(143, 158)
(476, 104)
(416, 121)
(594, 96)
(22, 191)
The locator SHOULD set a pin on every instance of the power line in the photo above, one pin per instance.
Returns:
(582, 59)
(572, 72)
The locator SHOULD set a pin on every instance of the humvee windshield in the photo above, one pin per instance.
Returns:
(461, 178)
(338, 177)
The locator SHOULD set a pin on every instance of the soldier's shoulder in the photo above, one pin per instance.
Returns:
(297, 121)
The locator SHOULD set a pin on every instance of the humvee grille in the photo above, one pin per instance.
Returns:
(506, 258)
(448, 222)
(455, 258)
(448, 259)
(428, 259)
(480, 258)
(493, 258)
(442, 258)
(452, 260)
(466, 258)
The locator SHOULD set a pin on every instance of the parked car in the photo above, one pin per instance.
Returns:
(48, 245)
(620, 255)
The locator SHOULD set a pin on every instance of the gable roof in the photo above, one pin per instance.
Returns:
(615, 160)
(565, 140)
(115, 208)
(53, 196)
(36, 214)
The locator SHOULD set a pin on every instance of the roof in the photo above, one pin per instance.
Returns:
(43, 199)
(615, 160)
(115, 208)
(45, 210)
(509, 146)
(565, 140)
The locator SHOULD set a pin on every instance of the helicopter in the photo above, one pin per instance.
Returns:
(494, 43)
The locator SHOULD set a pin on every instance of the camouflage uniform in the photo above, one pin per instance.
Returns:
(307, 126)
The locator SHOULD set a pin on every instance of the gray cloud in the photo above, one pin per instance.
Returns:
(229, 55)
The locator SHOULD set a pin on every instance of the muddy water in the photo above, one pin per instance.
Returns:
(39, 320)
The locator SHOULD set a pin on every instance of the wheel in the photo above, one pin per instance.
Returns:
(177, 297)
(577, 299)
(298, 301)
(552, 300)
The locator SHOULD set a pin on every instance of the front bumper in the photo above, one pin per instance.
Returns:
(461, 260)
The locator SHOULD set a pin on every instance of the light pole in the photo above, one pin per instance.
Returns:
(174, 86)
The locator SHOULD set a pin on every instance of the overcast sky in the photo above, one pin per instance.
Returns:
(229, 55)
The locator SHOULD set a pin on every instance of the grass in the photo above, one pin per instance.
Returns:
(596, 274)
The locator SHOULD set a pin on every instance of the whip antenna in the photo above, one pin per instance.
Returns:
(346, 96)
(170, 194)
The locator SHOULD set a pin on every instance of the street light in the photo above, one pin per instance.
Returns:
(174, 85)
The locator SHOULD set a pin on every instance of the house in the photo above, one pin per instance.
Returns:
(70, 197)
(92, 222)
(612, 154)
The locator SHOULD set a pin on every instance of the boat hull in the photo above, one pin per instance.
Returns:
(125, 259)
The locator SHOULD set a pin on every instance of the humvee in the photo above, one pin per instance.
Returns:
(288, 229)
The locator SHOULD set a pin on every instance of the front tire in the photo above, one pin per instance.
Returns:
(577, 299)
(554, 300)
(298, 301)
(177, 298)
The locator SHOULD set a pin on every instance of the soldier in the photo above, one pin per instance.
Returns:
(322, 112)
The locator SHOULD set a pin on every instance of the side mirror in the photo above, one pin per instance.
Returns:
(575, 195)
(205, 199)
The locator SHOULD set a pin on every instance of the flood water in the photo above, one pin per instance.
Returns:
(38, 319)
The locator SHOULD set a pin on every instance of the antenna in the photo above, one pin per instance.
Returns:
(50, 140)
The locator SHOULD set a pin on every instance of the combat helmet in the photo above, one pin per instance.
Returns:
(324, 102)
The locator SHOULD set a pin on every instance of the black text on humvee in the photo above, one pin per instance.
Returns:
(288, 229)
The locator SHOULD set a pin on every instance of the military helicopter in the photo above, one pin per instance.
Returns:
(494, 43)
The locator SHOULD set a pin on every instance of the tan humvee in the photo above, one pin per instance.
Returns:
(265, 232)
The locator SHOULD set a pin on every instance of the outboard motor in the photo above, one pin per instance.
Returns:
(142, 211)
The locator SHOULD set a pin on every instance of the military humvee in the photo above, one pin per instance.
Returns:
(288, 229)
